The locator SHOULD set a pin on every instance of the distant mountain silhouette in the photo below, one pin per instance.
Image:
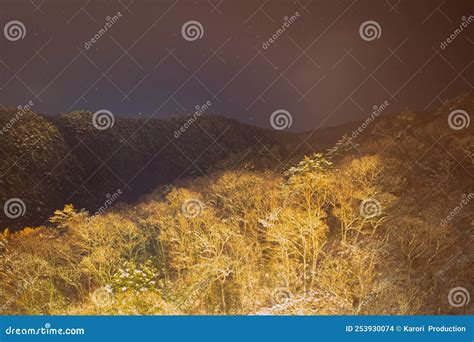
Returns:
(47, 162)
(50, 161)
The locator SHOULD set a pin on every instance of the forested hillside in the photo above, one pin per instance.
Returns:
(377, 224)
(50, 161)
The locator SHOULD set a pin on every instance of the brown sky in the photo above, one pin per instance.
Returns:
(320, 69)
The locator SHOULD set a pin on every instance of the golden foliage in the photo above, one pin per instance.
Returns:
(248, 235)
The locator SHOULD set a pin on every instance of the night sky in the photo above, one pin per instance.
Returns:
(320, 69)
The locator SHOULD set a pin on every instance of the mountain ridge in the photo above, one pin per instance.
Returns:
(49, 161)
(45, 159)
